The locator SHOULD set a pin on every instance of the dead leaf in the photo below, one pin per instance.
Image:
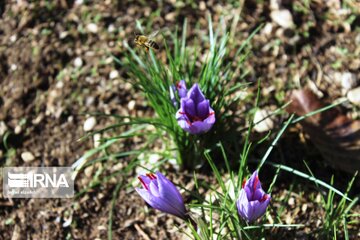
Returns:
(333, 133)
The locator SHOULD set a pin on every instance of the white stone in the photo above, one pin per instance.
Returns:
(275, 4)
(89, 124)
(348, 80)
(113, 74)
(109, 60)
(63, 34)
(89, 171)
(354, 96)
(13, 38)
(262, 124)
(97, 139)
(92, 27)
(111, 28)
(59, 84)
(67, 222)
(202, 5)
(283, 18)
(13, 67)
(131, 105)
(17, 129)
(27, 156)
(154, 158)
(267, 29)
(3, 128)
(357, 39)
(78, 62)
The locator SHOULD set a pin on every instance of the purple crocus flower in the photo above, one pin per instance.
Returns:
(252, 201)
(195, 114)
(161, 194)
(181, 87)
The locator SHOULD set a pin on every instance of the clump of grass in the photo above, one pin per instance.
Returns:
(215, 77)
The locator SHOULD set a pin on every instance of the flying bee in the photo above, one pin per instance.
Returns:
(147, 42)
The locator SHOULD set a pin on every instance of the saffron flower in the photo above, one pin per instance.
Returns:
(181, 87)
(160, 193)
(195, 114)
(252, 201)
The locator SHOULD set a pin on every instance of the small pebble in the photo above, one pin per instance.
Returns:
(78, 62)
(354, 96)
(267, 30)
(265, 124)
(89, 124)
(3, 128)
(348, 80)
(67, 222)
(63, 35)
(13, 38)
(283, 18)
(154, 158)
(92, 27)
(97, 139)
(89, 171)
(17, 129)
(27, 157)
(59, 84)
(170, 16)
(275, 4)
(113, 74)
(304, 208)
(202, 5)
(131, 105)
(13, 67)
(111, 28)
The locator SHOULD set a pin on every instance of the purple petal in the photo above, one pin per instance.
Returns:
(169, 192)
(148, 197)
(189, 106)
(195, 94)
(258, 209)
(153, 189)
(203, 109)
(253, 182)
(199, 127)
(183, 120)
(243, 205)
(164, 205)
(181, 87)
(158, 203)
(211, 117)
(145, 179)
(249, 193)
(258, 194)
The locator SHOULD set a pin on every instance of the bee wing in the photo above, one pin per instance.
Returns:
(153, 34)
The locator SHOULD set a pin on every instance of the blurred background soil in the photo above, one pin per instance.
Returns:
(56, 68)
